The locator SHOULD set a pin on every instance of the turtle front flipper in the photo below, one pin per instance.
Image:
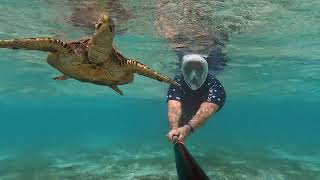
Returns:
(144, 70)
(116, 88)
(40, 44)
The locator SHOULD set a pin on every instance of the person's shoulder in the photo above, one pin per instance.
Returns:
(212, 80)
(178, 78)
(211, 77)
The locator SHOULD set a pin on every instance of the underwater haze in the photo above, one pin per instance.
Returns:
(268, 128)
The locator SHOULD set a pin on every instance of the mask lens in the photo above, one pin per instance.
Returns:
(194, 72)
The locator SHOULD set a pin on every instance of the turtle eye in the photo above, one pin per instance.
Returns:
(99, 25)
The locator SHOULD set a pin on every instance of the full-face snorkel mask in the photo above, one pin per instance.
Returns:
(195, 70)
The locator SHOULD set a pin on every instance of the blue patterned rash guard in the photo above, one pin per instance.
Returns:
(211, 91)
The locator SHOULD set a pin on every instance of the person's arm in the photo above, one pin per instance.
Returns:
(214, 101)
(206, 110)
(174, 113)
(174, 98)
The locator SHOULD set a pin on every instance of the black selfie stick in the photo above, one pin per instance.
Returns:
(187, 167)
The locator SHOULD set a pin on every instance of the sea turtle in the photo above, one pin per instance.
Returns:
(93, 59)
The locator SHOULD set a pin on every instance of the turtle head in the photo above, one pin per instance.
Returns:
(104, 25)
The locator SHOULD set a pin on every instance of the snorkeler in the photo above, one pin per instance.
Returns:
(199, 47)
(199, 97)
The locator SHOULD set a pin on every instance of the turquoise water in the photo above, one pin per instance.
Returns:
(268, 128)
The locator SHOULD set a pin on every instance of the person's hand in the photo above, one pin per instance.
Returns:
(181, 133)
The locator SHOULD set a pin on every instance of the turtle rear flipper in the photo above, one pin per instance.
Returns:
(116, 88)
(63, 77)
(40, 44)
(144, 70)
